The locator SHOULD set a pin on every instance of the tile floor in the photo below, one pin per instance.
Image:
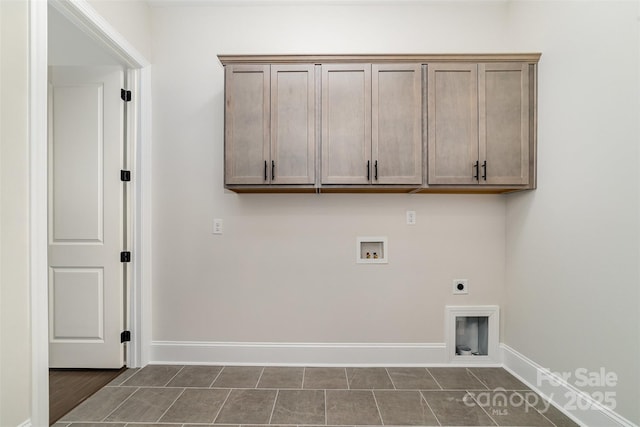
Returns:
(292, 396)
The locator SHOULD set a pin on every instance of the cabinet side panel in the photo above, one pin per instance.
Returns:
(452, 123)
(533, 126)
(247, 124)
(397, 127)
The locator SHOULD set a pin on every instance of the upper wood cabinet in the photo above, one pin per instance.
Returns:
(247, 117)
(452, 93)
(402, 123)
(396, 131)
(346, 124)
(478, 124)
(270, 124)
(371, 124)
(503, 108)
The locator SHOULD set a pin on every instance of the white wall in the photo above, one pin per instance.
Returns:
(131, 18)
(15, 351)
(572, 245)
(284, 270)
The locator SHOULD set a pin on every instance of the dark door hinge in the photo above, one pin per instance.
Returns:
(125, 176)
(125, 256)
(125, 95)
(125, 336)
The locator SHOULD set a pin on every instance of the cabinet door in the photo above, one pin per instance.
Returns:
(293, 111)
(504, 123)
(452, 93)
(246, 124)
(346, 124)
(396, 133)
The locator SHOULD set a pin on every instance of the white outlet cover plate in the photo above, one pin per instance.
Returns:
(464, 290)
(217, 226)
(411, 217)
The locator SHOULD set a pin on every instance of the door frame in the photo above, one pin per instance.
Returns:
(138, 72)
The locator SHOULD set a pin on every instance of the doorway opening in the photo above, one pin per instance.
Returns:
(78, 40)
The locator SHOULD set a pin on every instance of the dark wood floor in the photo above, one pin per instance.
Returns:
(70, 387)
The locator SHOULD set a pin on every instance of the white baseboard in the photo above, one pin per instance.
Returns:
(298, 354)
(564, 396)
(25, 424)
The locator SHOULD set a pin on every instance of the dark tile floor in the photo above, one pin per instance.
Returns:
(293, 396)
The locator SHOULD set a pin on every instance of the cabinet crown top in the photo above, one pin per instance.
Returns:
(380, 58)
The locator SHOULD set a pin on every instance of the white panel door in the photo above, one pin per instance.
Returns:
(86, 277)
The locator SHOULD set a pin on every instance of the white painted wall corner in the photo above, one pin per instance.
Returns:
(561, 394)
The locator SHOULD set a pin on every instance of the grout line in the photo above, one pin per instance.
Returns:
(481, 382)
(430, 408)
(216, 378)
(377, 407)
(135, 371)
(260, 377)
(172, 403)
(304, 372)
(392, 383)
(434, 378)
(222, 406)
(204, 387)
(326, 420)
(121, 403)
(161, 386)
(274, 406)
(131, 376)
(481, 407)
(528, 405)
(347, 377)
(540, 412)
(171, 379)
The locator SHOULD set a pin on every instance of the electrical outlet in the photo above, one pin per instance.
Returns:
(217, 226)
(460, 286)
(411, 217)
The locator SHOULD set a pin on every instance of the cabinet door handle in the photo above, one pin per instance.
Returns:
(265, 170)
(368, 168)
(376, 170)
(477, 171)
(273, 170)
(484, 170)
